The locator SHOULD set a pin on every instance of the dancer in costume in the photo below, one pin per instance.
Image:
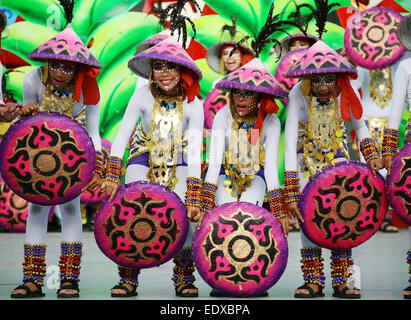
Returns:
(8, 112)
(65, 84)
(401, 90)
(314, 138)
(168, 103)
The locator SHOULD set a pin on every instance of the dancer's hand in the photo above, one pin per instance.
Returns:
(293, 211)
(29, 109)
(9, 112)
(193, 213)
(388, 163)
(200, 220)
(285, 224)
(94, 183)
(376, 165)
(110, 188)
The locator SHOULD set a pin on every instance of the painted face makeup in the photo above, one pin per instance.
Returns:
(61, 73)
(324, 86)
(245, 102)
(166, 75)
(231, 63)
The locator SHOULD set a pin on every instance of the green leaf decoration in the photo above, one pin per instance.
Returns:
(14, 81)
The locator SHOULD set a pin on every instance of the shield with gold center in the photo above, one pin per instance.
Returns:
(343, 205)
(240, 249)
(399, 184)
(47, 158)
(144, 226)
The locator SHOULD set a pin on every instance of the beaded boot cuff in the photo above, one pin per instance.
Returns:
(312, 266)
(193, 193)
(184, 268)
(70, 260)
(34, 265)
(341, 262)
(128, 275)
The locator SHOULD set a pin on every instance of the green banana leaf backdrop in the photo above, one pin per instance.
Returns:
(115, 28)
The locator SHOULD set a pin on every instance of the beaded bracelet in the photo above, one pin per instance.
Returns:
(390, 142)
(368, 149)
(193, 193)
(207, 196)
(99, 163)
(276, 202)
(291, 186)
(113, 169)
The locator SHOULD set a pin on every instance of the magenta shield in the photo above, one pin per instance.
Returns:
(144, 226)
(343, 205)
(240, 249)
(47, 158)
(371, 40)
(214, 102)
(399, 184)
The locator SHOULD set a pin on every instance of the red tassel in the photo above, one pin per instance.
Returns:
(349, 100)
(190, 84)
(86, 81)
(267, 105)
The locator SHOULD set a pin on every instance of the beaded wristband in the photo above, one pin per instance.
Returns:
(193, 193)
(113, 169)
(99, 163)
(368, 149)
(390, 142)
(291, 186)
(207, 196)
(276, 202)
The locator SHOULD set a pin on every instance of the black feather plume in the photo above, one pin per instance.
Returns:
(68, 7)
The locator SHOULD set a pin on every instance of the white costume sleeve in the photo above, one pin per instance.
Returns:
(195, 137)
(217, 145)
(359, 82)
(401, 88)
(31, 87)
(359, 125)
(128, 124)
(271, 131)
(294, 105)
(92, 124)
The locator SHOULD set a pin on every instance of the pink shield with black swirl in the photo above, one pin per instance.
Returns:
(399, 184)
(371, 40)
(343, 205)
(144, 226)
(214, 102)
(47, 158)
(240, 249)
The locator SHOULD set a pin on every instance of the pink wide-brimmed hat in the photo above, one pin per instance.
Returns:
(213, 55)
(169, 50)
(158, 37)
(320, 58)
(253, 76)
(66, 46)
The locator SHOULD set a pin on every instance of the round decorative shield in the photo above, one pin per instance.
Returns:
(240, 249)
(47, 158)
(144, 226)
(343, 205)
(14, 210)
(288, 83)
(399, 184)
(214, 102)
(371, 40)
(94, 197)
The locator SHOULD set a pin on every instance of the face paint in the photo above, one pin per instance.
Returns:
(166, 75)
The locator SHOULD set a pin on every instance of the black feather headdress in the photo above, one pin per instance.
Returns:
(68, 7)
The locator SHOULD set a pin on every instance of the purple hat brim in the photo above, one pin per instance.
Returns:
(42, 57)
(299, 73)
(213, 55)
(141, 64)
(285, 42)
(226, 85)
(404, 32)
